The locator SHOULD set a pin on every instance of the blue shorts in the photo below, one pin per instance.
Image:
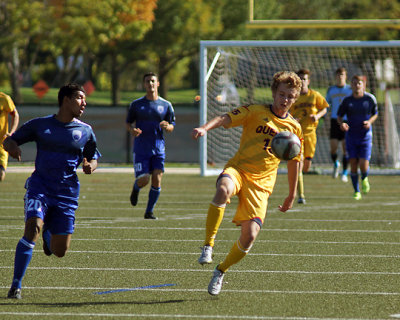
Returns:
(58, 214)
(144, 164)
(359, 148)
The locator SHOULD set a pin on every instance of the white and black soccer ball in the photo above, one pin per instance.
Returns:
(285, 145)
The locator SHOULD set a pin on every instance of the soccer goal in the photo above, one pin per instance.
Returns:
(235, 73)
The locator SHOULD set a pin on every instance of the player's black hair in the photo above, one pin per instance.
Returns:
(150, 74)
(68, 90)
(341, 70)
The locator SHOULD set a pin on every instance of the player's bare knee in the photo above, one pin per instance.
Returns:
(143, 180)
(252, 237)
(222, 195)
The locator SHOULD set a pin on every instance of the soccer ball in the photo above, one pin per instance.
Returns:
(285, 145)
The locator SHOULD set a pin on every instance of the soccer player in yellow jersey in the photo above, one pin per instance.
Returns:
(251, 173)
(308, 109)
(7, 108)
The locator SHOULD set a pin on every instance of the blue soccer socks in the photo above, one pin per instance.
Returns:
(354, 180)
(23, 256)
(154, 194)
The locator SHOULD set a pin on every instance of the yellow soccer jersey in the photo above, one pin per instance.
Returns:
(254, 158)
(6, 107)
(307, 104)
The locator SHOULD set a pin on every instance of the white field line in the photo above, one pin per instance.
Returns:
(203, 215)
(100, 169)
(173, 270)
(86, 226)
(204, 199)
(223, 240)
(173, 316)
(367, 256)
(362, 293)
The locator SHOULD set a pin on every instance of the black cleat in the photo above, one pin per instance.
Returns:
(134, 197)
(14, 293)
(46, 249)
(150, 215)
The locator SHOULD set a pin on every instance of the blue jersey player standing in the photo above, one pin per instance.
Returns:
(63, 142)
(147, 118)
(361, 110)
(334, 97)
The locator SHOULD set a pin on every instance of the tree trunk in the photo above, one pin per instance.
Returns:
(162, 77)
(13, 70)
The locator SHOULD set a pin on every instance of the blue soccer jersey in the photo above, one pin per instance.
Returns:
(357, 111)
(335, 96)
(148, 114)
(61, 148)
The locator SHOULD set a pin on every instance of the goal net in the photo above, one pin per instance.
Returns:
(235, 73)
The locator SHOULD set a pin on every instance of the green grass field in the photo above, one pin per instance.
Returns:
(333, 258)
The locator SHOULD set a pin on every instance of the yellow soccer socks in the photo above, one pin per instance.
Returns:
(300, 188)
(214, 218)
(236, 254)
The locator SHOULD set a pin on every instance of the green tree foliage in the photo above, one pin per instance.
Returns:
(21, 28)
(122, 37)
(99, 30)
(176, 32)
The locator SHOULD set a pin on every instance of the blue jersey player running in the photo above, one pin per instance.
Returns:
(63, 143)
(147, 118)
(361, 110)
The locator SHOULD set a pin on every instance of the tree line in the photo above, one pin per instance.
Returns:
(112, 42)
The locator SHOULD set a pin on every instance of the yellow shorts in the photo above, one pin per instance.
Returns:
(310, 142)
(3, 158)
(253, 201)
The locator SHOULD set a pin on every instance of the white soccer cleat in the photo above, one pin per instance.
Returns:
(345, 178)
(215, 286)
(206, 255)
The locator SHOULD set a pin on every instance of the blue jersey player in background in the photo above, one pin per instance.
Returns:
(147, 118)
(361, 110)
(63, 142)
(334, 97)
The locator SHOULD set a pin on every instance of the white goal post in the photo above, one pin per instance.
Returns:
(235, 73)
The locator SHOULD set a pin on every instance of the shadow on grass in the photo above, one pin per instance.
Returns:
(16, 303)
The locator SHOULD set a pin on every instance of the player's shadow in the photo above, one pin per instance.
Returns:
(17, 303)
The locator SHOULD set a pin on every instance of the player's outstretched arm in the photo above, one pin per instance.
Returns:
(293, 173)
(11, 146)
(223, 120)
(89, 166)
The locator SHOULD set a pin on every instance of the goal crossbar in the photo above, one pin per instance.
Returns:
(324, 24)
(318, 24)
